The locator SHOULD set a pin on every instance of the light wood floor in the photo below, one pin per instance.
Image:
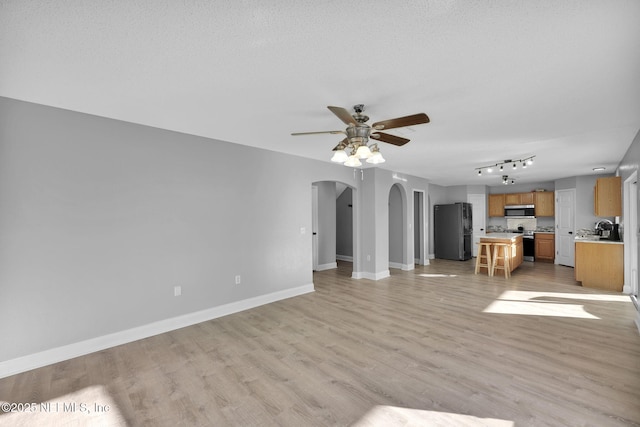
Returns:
(418, 348)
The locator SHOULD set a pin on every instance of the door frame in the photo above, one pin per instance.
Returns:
(314, 226)
(483, 231)
(420, 227)
(559, 237)
(630, 236)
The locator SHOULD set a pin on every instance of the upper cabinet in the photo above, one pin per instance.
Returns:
(518, 199)
(607, 196)
(544, 202)
(526, 198)
(496, 204)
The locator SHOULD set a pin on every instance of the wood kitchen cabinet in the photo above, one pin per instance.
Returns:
(607, 196)
(600, 265)
(512, 199)
(518, 199)
(526, 198)
(545, 247)
(544, 202)
(496, 205)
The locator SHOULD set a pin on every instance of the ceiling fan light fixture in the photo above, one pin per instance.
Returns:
(363, 152)
(353, 161)
(358, 133)
(340, 156)
(376, 156)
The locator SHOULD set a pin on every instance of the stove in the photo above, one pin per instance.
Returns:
(528, 244)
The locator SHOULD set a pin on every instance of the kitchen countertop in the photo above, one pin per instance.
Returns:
(544, 232)
(596, 239)
(501, 236)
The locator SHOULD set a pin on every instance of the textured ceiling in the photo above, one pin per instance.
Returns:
(499, 79)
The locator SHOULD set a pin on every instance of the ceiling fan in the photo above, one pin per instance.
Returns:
(358, 134)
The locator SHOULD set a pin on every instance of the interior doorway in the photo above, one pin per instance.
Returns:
(314, 226)
(334, 207)
(630, 237)
(397, 229)
(419, 229)
(478, 219)
(565, 224)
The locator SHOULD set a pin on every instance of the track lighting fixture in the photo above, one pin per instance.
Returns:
(527, 161)
(506, 180)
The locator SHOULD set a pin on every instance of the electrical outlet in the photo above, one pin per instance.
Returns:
(237, 279)
(368, 257)
(177, 291)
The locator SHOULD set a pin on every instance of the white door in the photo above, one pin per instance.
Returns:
(314, 225)
(478, 217)
(565, 224)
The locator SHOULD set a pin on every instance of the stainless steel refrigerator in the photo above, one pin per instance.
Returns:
(452, 231)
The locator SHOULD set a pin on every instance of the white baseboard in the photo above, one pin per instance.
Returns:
(432, 256)
(58, 354)
(328, 266)
(638, 321)
(344, 258)
(400, 266)
(370, 276)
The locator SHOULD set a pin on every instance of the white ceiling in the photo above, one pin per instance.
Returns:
(500, 79)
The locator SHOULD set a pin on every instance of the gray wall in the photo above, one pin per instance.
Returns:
(630, 164)
(585, 214)
(100, 219)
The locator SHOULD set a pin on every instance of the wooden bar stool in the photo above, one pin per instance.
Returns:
(487, 257)
(501, 252)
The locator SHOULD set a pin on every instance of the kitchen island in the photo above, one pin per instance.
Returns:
(513, 239)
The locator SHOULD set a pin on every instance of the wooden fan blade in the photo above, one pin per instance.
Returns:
(334, 132)
(343, 115)
(343, 144)
(390, 139)
(415, 119)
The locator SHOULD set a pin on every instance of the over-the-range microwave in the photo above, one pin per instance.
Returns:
(519, 211)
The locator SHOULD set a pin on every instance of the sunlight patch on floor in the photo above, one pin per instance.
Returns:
(389, 416)
(91, 406)
(529, 308)
(529, 295)
(528, 303)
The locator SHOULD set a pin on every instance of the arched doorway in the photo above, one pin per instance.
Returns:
(398, 228)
